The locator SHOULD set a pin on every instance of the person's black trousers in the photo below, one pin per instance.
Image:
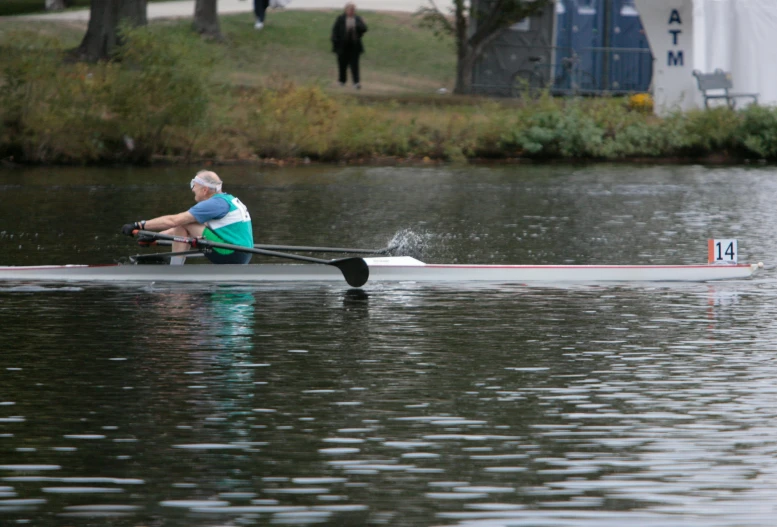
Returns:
(260, 7)
(348, 58)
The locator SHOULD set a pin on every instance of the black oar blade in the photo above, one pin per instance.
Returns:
(355, 270)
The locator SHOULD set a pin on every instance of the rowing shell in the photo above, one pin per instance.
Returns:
(387, 269)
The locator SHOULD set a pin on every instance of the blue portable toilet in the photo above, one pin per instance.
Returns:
(588, 39)
(563, 25)
(577, 30)
(565, 28)
(630, 69)
(596, 30)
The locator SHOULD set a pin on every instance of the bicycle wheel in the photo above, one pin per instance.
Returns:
(527, 84)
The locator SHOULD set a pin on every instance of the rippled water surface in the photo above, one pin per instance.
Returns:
(402, 405)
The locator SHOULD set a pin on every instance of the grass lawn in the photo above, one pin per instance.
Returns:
(400, 58)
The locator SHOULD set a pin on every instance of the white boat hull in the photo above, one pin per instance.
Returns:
(390, 269)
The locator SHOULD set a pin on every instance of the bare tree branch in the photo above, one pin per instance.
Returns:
(433, 18)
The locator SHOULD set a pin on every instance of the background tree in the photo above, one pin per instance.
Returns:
(102, 34)
(206, 19)
(488, 18)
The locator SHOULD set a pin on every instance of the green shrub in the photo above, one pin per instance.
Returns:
(50, 111)
(362, 132)
(286, 121)
(54, 111)
(163, 84)
(561, 132)
(757, 132)
(708, 131)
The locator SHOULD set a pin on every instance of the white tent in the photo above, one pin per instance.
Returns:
(737, 36)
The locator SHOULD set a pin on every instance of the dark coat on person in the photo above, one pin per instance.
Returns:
(340, 39)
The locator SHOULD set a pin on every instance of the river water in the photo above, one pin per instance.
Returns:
(401, 405)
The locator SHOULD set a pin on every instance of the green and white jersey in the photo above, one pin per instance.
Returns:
(234, 227)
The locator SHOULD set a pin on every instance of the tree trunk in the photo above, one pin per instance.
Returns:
(465, 58)
(464, 71)
(102, 34)
(56, 5)
(468, 53)
(206, 19)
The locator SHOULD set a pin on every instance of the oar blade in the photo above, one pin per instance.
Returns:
(355, 270)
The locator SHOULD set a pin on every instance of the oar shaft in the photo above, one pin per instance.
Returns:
(202, 242)
(306, 248)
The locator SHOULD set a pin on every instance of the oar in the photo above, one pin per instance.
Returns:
(355, 269)
(305, 248)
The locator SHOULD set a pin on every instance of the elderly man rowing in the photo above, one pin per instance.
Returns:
(217, 216)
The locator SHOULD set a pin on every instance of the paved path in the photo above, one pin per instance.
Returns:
(185, 8)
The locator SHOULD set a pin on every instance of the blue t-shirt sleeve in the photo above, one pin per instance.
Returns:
(210, 209)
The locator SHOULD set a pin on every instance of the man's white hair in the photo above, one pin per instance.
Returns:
(211, 179)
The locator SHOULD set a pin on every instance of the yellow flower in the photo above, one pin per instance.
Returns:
(641, 102)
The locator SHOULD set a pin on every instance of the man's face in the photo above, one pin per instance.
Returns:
(200, 192)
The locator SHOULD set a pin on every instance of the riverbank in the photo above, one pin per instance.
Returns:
(269, 97)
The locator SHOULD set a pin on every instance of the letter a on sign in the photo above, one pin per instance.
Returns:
(675, 17)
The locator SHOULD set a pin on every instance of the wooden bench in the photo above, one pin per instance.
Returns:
(716, 85)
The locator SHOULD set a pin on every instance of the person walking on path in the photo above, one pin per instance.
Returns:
(347, 43)
(217, 217)
(260, 9)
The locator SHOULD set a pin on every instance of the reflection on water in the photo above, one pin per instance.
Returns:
(204, 405)
(404, 406)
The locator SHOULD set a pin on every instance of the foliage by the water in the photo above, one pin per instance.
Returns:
(157, 100)
(151, 98)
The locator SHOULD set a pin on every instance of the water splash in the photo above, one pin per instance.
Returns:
(409, 243)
